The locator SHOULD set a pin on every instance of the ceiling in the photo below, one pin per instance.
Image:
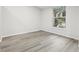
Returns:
(44, 7)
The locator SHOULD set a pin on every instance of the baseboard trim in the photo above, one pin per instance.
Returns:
(61, 35)
(35, 31)
(19, 33)
(0, 38)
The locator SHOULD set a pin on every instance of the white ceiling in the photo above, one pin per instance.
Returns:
(44, 7)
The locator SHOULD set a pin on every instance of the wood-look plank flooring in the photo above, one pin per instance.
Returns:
(39, 41)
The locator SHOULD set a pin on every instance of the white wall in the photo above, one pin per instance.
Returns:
(0, 19)
(72, 22)
(18, 20)
(28, 19)
(73, 17)
(0, 22)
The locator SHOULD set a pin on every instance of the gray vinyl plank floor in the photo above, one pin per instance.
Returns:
(39, 41)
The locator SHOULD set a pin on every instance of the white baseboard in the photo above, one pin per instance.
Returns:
(0, 38)
(19, 33)
(69, 36)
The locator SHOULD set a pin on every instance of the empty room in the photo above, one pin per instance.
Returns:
(39, 28)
